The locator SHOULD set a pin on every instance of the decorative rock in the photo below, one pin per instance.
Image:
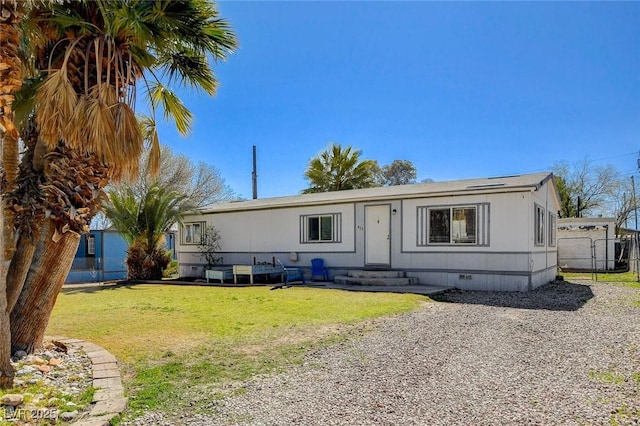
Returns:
(37, 360)
(27, 369)
(12, 399)
(67, 416)
(44, 368)
(20, 355)
(61, 346)
(55, 361)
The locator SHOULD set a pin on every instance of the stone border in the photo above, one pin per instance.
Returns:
(109, 397)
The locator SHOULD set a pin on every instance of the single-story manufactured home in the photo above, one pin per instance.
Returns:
(485, 234)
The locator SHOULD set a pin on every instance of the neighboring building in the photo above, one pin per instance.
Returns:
(587, 244)
(487, 234)
(101, 257)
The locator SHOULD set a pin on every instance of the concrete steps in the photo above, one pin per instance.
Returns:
(380, 278)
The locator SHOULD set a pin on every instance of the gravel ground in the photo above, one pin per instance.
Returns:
(563, 354)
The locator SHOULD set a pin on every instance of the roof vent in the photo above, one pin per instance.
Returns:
(504, 177)
(486, 185)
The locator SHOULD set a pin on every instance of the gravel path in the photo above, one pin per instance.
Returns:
(564, 354)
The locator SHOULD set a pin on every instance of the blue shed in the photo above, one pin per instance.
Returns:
(101, 257)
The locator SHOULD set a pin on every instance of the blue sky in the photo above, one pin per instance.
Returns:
(461, 89)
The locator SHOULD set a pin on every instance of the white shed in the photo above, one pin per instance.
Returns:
(586, 243)
(486, 234)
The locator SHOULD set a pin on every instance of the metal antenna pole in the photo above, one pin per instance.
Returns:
(254, 174)
(637, 240)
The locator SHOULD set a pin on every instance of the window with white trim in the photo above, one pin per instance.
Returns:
(323, 228)
(91, 245)
(539, 225)
(552, 229)
(453, 225)
(192, 232)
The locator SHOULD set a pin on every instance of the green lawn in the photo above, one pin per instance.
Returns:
(194, 341)
(627, 278)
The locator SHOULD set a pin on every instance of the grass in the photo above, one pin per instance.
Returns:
(629, 279)
(606, 377)
(180, 345)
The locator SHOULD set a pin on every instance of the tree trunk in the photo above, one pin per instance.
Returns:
(10, 81)
(6, 369)
(51, 264)
(19, 268)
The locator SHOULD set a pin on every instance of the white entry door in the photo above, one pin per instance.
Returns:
(378, 235)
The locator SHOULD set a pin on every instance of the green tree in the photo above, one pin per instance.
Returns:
(399, 172)
(75, 112)
(338, 168)
(143, 222)
(567, 203)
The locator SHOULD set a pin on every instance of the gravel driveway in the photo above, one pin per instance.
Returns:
(563, 354)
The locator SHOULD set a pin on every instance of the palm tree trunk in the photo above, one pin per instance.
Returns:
(19, 268)
(10, 81)
(51, 264)
(6, 369)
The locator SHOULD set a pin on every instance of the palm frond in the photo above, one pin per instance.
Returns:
(57, 101)
(172, 106)
(128, 139)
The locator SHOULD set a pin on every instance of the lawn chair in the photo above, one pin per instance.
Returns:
(291, 274)
(318, 269)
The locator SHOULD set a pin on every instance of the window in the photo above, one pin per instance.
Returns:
(320, 228)
(192, 232)
(439, 231)
(452, 225)
(552, 229)
(91, 245)
(539, 226)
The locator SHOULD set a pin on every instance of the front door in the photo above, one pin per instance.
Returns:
(378, 235)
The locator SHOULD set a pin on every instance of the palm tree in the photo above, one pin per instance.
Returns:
(11, 13)
(143, 221)
(336, 169)
(89, 59)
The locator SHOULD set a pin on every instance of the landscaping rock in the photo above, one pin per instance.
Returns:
(36, 360)
(12, 399)
(55, 362)
(44, 368)
(67, 416)
(19, 355)
(26, 370)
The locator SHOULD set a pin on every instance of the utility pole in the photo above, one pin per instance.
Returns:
(254, 174)
(635, 205)
(637, 240)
